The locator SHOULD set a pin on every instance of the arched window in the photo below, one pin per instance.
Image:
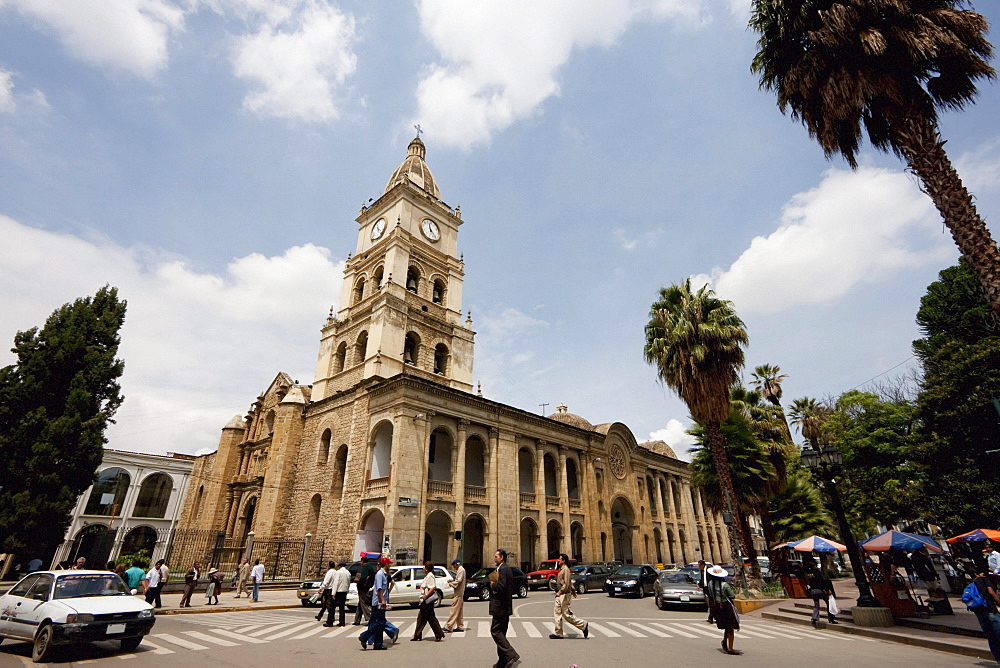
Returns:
(361, 348)
(663, 497)
(525, 471)
(439, 456)
(551, 486)
(437, 293)
(652, 494)
(412, 279)
(154, 494)
(314, 507)
(475, 462)
(440, 358)
(377, 277)
(340, 471)
(269, 422)
(694, 503)
(340, 359)
(411, 348)
(572, 480)
(381, 452)
(108, 494)
(323, 456)
(359, 290)
(600, 482)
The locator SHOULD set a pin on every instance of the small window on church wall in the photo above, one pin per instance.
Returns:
(377, 278)
(437, 295)
(412, 279)
(361, 348)
(410, 348)
(340, 359)
(359, 290)
(440, 358)
(324, 448)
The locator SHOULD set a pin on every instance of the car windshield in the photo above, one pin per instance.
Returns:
(580, 569)
(483, 573)
(675, 577)
(629, 570)
(79, 586)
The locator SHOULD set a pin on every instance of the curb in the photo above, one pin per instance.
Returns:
(900, 638)
(244, 608)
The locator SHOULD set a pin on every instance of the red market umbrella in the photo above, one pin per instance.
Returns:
(976, 536)
(816, 544)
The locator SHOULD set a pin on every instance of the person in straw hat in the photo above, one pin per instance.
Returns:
(727, 618)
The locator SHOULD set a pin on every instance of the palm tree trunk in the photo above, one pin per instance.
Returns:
(751, 551)
(768, 527)
(717, 444)
(923, 148)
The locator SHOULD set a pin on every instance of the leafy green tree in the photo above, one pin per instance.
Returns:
(885, 67)
(55, 403)
(696, 342)
(959, 423)
(877, 440)
(800, 510)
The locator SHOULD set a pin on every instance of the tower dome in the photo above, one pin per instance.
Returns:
(415, 170)
(563, 415)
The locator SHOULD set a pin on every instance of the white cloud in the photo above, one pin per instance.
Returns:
(505, 341)
(197, 346)
(300, 60)
(6, 91)
(854, 228)
(499, 61)
(130, 35)
(675, 435)
(980, 169)
(11, 101)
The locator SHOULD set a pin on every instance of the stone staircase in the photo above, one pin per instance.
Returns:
(941, 638)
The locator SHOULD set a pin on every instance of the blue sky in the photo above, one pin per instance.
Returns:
(208, 157)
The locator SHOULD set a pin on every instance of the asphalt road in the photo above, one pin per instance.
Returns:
(629, 631)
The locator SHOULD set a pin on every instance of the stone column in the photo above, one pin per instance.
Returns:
(591, 537)
(458, 478)
(234, 506)
(690, 525)
(543, 513)
(493, 482)
(660, 513)
(424, 453)
(564, 500)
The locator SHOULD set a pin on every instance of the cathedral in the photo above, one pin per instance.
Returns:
(391, 450)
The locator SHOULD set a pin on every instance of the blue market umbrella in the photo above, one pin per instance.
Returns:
(816, 544)
(899, 540)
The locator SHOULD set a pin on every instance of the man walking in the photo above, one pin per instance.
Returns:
(134, 575)
(565, 593)
(455, 620)
(341, 584)
(501, 584)
(242, 577)
(703, 583)
(379, 603)
(190, 582)
(992, 562)
(156, 578)
(256, 577)
(365, 580)
(326, 591)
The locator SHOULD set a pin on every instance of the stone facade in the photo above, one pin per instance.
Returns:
(389, 450)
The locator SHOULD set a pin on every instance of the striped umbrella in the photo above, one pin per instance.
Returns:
(817, 544)
(900, 541)
(976, 536)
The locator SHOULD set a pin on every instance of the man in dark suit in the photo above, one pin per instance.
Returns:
(501, 584)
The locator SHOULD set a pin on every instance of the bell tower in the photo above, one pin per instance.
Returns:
(401, 302)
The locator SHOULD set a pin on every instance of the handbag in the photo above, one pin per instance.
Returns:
(832, 607)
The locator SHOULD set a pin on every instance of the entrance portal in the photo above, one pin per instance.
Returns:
(622, 521)
(473, 533)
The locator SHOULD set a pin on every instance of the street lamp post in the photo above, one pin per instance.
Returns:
(826, 461)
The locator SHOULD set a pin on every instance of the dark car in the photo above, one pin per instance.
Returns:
(632, 579)
(674, 588)
(589, 578)
(478, 585)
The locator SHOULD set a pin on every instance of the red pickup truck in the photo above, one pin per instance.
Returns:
(546, 574)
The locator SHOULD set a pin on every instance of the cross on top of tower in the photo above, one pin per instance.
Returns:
(418, 129)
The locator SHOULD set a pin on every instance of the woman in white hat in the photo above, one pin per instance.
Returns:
(727, 618)
(214, 586)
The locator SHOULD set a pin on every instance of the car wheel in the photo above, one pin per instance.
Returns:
(42, 649)
(659, 601)
(440, 602)
(305, 603)
(522, 592)
(484, 595)
(611, 593)
(581, 588)
(553, 585)
(129, 644)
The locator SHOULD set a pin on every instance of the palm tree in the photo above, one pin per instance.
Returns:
(800, 511)
(888, 66)
(696, 342)
(767, 380)
(810, 416)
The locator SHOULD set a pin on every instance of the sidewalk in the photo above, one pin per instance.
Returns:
(268, 599)
(957, 634)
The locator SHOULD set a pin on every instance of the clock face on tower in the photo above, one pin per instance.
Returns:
(430, 229)
(378, 228)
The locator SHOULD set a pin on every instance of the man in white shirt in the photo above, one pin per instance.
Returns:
(154, 583)
(326, 590)
(992, 561)
(256, 577)
(341, 585)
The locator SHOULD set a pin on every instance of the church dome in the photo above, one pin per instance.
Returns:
(573, 420)
(660, 448)
(415, 170)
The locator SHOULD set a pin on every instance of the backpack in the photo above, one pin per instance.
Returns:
(973, 599)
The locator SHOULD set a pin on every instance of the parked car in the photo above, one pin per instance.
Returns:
(311, 587)
(478, 586)
(50, 608)
(547, 571)
(632, 579)
(406, 587)
(588, 578)
(693, 573)
(677, 589)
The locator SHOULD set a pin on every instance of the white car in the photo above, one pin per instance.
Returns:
(52, 608)
(406, 587)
